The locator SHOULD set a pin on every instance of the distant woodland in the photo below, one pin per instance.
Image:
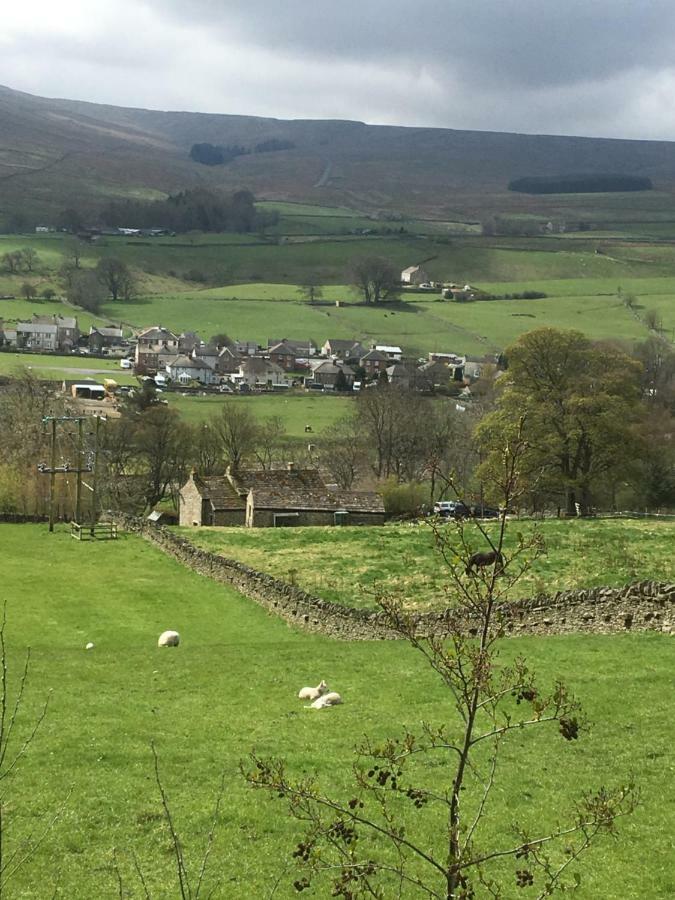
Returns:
(216, 155)
(580, 184)
(192, 210)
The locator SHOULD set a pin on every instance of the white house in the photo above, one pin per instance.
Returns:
(261, 373)
(184, 369)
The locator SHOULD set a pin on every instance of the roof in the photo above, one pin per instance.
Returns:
(277, 479)
(375, 355)
(323, 500)
(297, 346)
(106, 331)
(329, 368)
(218, 491)
(157, 333)
(410, 270)
(282, 349)
(341, 345)
(387, 348)
(256, 365)
(186, 362)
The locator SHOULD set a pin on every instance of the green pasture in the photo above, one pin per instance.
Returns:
(348, 565)
(319, 411)
(56, 368)
(232, 686)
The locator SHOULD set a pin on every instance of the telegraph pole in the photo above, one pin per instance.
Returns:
(79, 470)
(52, 475)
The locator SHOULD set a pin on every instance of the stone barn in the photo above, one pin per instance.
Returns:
(275, 498)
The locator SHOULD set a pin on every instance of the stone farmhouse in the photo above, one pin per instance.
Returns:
(275, 498)
(414, 275)
(155, 347)
(48, 334)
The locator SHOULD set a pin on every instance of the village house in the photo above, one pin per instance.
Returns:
(414, 275)
(344, 350)
(228, 361)
(104, 337)
(48, 334)
(374, 362)
(283, 356)
(155, 347)
(275, 498)
(185, 369)
(435, 375)
(207, 353)
(327, 373)
(302, 349)
(246, 348)
(257, 372)
(187, 341)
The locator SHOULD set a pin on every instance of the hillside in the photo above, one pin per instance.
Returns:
(59, 152)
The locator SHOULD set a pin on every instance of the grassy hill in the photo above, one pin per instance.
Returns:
(58, 152)
(231, 686)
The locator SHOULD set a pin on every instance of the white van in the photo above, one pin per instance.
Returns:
(126, 363)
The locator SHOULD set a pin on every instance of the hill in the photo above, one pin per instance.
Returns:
(59, 152)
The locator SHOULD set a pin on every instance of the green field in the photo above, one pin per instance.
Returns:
(250, 285)
(49, 367)
(349, 565)
(232, 686)
(319, 411)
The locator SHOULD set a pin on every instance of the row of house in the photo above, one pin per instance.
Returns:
(43, 334)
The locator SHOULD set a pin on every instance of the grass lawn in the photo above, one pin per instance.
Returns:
(348, 564)
(231, 686)
(320, 411)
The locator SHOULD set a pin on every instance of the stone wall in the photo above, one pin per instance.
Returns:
(643, 606)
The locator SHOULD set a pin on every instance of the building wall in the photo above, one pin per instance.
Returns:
(264, 518)
(190, 507)
(229, 517)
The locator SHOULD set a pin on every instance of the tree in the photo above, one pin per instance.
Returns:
(48, 294)
(72, 250)
(12, 261)
(237, 430)
(653, 320)
(375, 278)
(30, 258)
(28, 291)
(419, 819)
(117, 278)
(269, 442)
(342, 451)
(221, 340)
(162, 448)
(580, 402)
(83, 288)
(311, 290)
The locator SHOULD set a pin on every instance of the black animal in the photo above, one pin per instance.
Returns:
(480, 560)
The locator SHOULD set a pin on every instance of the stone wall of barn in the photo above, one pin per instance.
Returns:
(643, 606)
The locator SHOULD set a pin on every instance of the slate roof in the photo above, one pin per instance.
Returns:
(186, 362)
(256, 365)
(34, 328)
(278, 480)
(157, 333)
(218, 491)
(106, 331)
(375, 356)
(317, 500)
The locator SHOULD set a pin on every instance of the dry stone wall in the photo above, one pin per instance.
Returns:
(643, 606)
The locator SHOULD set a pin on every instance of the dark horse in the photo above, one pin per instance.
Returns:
(480, 560)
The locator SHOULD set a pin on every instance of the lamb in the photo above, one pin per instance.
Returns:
(168, 639)
(330, 699)
(313, 693)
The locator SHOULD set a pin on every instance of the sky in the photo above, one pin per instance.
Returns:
(583, 67)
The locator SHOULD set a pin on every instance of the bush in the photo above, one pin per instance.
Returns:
(403, 499)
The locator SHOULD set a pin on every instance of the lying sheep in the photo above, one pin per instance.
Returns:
(168, 639)
(310, 693)
(330, 699)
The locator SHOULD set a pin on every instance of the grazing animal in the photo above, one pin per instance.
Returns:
(330, 699)
(480, 560)
(168, 639)
(89, 646)
(313, 693)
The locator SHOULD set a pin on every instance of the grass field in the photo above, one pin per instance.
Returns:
(296, 410)
(232, 685)
(50, 367)
(348, 565)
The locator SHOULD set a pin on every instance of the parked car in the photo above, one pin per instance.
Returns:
(486, 512)
(452, 509)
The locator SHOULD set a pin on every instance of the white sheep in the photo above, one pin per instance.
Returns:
(168, 639)
(89, 646)
(313, 693)
(330, 699)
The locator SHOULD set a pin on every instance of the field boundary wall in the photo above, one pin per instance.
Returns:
(642, 606)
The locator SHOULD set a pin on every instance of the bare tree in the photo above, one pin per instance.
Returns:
(237, 429)
(405, 830)
(28, 291)
(117, 278)
(270, 441)
(30, 258)
(375, 278)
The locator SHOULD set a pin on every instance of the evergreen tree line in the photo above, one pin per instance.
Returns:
(217, 155)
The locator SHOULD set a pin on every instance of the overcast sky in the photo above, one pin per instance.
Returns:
(589, 67)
